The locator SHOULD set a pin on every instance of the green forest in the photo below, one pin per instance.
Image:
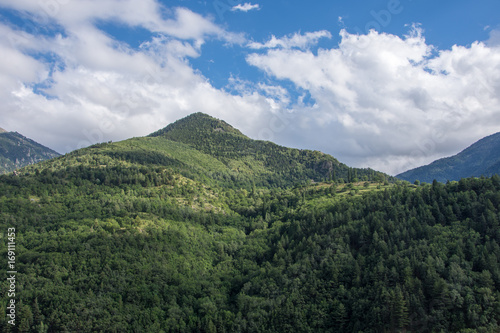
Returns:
(170, 234)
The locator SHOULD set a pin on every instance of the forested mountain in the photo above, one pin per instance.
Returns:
(262, 162)
(480, 159)
(17, 151)
(168, 234)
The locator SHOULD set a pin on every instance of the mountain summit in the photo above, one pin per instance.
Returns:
(480, 159)
(207, 134)
(211, 151)
(262, 161)
(195, 125)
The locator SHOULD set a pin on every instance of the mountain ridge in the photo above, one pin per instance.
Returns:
(210, 150)
(17, 151)
(220, 139)
(478, 159)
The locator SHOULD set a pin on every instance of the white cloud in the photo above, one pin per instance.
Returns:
(245, 7)
(179, 22)
(389, 102)
(297, 40)
(104, 89)
(494, 39)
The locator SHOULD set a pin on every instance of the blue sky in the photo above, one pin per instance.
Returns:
(445, 23)
(389, 84)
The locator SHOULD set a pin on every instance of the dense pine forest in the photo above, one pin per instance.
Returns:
(170, 234)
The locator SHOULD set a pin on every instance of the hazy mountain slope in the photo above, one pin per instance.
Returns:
(481, 158)
(17, 151)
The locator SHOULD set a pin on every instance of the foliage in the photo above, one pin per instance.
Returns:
(156, 235)
(267, 163)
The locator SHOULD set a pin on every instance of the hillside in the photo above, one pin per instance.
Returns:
(480, 159)
(211, 151)
(17, 151)
(262, 162)
(161, 235)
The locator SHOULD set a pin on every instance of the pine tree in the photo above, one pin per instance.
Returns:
(339, 315)
(400, 309)
(26, 319)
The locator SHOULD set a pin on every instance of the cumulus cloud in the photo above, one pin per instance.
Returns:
(297, 40)
(388, 102)
(78, 86)
(246, 7)
(178, 22)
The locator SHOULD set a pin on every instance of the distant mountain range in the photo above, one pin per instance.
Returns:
(480, 159)
(205, 146)
(263, 162)
(17, 151)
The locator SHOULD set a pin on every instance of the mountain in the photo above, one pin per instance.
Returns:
(195, 128)
(167, 233)
(262, 162)
(209, 150)
(480, 159)
(17, 151)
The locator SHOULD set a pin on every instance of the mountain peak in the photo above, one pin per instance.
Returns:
(196, 125)
(2, 130)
